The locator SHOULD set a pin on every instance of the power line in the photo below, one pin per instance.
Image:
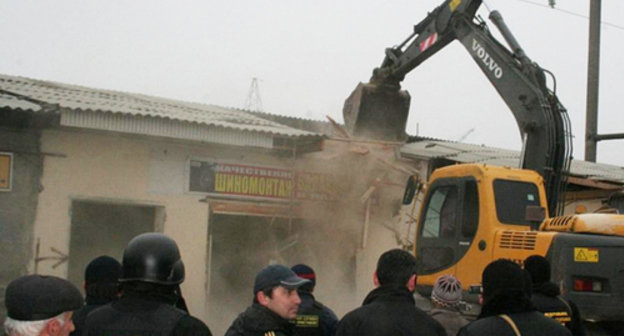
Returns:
(535, 3)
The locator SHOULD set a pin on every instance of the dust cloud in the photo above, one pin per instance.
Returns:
(330, 235)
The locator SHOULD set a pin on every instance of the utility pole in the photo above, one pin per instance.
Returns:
(593, 71)
(253, 101)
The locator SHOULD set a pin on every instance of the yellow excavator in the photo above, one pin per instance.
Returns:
(472, 214)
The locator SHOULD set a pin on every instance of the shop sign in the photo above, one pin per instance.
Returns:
(246, 181)
(317, 186)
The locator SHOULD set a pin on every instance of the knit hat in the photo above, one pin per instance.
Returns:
(447, 291)
(306, 272)
(103, 269)
(538, 268)
(502, 276)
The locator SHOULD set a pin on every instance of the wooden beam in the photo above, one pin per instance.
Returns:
(594, 184)
(255, 209)
(343, 131)
(588, 194)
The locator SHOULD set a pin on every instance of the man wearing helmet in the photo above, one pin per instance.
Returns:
(151, 304)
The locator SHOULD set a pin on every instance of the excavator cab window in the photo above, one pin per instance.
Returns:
(512, 199)
(449, 223)
(441, 213)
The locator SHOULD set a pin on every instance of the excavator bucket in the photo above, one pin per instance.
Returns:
(377, 112)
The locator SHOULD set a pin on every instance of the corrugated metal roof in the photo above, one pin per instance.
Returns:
(469, 153)
(78, 98)
(316, 126)
(126, 123)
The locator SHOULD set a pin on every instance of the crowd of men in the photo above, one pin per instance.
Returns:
(141, 296)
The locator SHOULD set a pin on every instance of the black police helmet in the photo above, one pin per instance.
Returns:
(152, 257)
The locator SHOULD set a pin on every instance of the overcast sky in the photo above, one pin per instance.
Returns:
(310, 55)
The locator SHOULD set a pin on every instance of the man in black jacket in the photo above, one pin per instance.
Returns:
(101, 285)
(390, 308)
(547, 298)
(507, 309)
(274, 306)
(151, 303)
(313, 317)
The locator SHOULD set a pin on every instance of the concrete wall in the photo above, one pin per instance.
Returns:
(133, 170)
(127, 170)
(18, 206)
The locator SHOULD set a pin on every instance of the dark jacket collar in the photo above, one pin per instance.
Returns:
(506, 302)
(305, 294)
(96, 301)
(390, 292)
(546, 288)
(260, 318)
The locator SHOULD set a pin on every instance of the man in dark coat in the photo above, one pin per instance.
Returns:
(274, 306)
(507, 308)
(151, 303)
(40, 305)
(101, 285)
(313, 317)
(547, 298)
(390, 308)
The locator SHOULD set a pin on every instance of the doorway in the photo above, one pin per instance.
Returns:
(105, 228)
(242, 246)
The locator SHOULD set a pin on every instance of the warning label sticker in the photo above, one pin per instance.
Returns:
(584, 254)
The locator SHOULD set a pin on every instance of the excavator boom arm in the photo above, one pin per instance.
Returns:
(542, 121)
(430, 35)
(379, 108)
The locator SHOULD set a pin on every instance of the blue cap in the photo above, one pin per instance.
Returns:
(277, 275)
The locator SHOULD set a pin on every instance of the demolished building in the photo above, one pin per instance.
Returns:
(84, 170)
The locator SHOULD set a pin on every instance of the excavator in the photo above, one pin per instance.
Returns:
(472, 214)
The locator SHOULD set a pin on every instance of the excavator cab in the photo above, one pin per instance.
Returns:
(377, 112)
(472, 214)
